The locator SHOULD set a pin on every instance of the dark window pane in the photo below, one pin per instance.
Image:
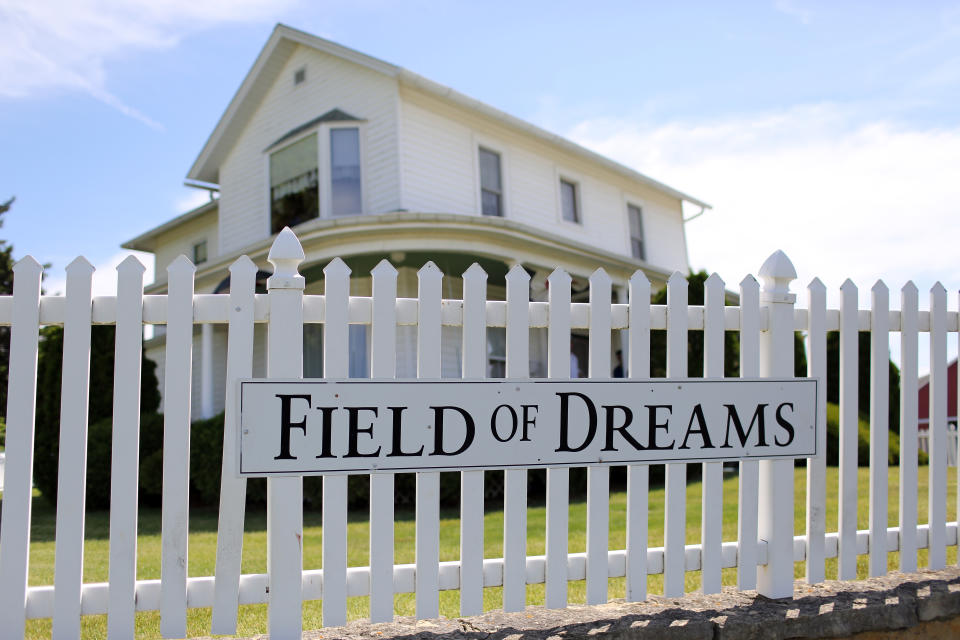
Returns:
(568, 200)
(200, 252)
(345, 171)
(635, 216)
(491, 203)
(312, 351)
(294, 194)
(491, 191)
(489, 170)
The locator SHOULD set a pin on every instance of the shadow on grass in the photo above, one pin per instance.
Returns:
(203, 519)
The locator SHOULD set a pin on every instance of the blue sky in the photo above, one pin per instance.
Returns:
(829, 130)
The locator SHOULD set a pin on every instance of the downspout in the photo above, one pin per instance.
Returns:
(703, 210)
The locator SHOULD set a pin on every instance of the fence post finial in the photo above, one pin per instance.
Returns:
(285, 255)
(777, 273)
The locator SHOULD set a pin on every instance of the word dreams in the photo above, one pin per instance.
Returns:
(319, 426)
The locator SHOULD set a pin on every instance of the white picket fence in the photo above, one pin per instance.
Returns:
(766, 320)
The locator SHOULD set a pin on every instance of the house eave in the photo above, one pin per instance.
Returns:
(507, 240)
(281, 44)
(146, 241)
(420, 83)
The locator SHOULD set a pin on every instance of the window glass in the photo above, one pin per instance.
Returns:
(200, 252)
(496, 352)
(345, 171)
(568, 201)
(294, 193)
(312, 350)
(636, 232)
(359, 366)
(491, 190)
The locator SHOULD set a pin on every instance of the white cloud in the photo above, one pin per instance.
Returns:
(65, 44)
(861, 200)
(791, 8)
(105, 276)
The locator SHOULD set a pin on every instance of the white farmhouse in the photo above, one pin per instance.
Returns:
(366, 161)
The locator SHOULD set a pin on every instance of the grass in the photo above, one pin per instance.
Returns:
(252, 618)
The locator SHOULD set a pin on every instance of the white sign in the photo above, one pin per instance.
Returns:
(312, 427)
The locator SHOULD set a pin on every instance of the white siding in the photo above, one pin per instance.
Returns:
(331, 83)
(181, 240)
(439, 146)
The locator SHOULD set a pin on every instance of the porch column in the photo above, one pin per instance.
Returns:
(206, 370)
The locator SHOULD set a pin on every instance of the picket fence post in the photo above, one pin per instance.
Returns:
(21, 420)
(775, 518)
(285, 495)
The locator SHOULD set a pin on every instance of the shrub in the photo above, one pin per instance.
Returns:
(99, 442)
(863, 440)
(49, 379)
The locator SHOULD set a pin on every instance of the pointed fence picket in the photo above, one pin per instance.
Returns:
(71, 479)
(711, 528)
(879, 426)
(233, 489)
(748, 487)
(383, 364)
(675, 508)
(125, 450)
(937, 489)
(817, 466)
(598, 477)
(176, 451)
(638, 475)
(908, 427)
(430, 281)
(558, 479)
(765, 546)
(847, 518)
(336, 360)
(471, 482)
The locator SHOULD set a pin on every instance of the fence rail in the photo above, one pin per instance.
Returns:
(764, 555)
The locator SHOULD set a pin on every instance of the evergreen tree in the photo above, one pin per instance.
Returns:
(49, 379)
(6, 288)
(731, 346)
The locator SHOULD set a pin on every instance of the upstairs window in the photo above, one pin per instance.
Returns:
(569, 201)
(294, 184)
(345, 192)
(637, 247)
(200, 252)
(491, 186)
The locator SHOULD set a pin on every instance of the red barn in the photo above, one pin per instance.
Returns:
(923, 397)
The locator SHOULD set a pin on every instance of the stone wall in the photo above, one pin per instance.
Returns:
(916, 605)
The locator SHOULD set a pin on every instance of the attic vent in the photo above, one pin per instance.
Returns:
(299, 75)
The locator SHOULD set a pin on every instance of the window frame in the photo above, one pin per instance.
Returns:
(324, 178)
(326, 167)
(577, 183)
(639, 206)
(206, 251)
(484, 143)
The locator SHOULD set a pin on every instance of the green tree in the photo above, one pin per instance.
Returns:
(6, 288)
(863, 377)
(731, 347)
(49, 378)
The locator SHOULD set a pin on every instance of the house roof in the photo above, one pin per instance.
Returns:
(146, 241)
(281, 44)
(334, 115)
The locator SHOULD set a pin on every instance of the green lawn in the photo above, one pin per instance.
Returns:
(202, 551)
